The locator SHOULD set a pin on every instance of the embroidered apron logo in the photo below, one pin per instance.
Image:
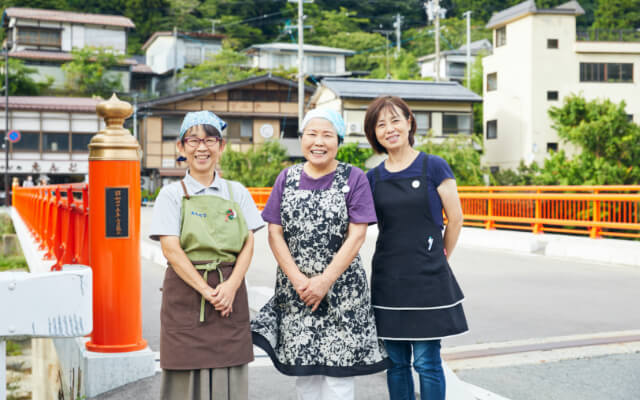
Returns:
(199, 214)
(230, 214)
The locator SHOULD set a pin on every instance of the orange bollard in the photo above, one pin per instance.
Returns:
(114, 233)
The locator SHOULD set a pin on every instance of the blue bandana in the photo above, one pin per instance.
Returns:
(201, 118)
(330, 115)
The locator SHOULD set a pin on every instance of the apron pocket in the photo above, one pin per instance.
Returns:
(180, 303)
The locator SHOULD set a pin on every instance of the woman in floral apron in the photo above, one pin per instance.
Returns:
(416, 298)
(204, 224)
(319, 325)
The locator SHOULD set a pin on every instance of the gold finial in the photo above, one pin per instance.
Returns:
(114, 142)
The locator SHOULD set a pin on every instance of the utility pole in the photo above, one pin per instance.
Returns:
(386, 34)
(398, 24)
(467, 14)
(213, 25)
(6, 122)
(300, 60)
(437, 13)
(175, 59)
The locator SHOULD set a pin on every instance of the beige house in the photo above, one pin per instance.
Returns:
(538, 59)
(442, 108)
(255, 109)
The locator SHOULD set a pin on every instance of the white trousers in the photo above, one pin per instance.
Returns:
(320, 387)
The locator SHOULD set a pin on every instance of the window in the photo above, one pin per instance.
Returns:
(319, 64)
(552, 146)
(192, 55)
(39, 36)
(283, 60)
(423, 122)
(80, 142)
(264, 95)
(492, 81)
(289, 128)
(456, 69)
(494, 169)
(55, 142)
(30, 141)
(630, 117)
(170, 127)
(492, 129)
(606, 72)
(456, 123)
(246, 128)
(552, 95)
(552, 43)
(501, 36)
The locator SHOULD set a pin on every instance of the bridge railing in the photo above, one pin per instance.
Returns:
(597, 211)
(58, 218)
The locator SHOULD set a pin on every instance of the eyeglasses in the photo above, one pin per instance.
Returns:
(210, 141)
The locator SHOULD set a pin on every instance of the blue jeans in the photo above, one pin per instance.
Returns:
(427, 363)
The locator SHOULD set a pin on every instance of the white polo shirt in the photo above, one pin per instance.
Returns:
(168, 204)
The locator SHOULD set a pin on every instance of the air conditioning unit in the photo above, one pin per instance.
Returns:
(354, 127)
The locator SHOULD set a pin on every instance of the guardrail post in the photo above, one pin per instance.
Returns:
(537, 226)
(114, 233)
(490, 223)
(595, 231)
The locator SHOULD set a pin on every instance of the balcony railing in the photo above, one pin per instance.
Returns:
(608, 35)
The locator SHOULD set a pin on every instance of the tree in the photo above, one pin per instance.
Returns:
(369, 48)
(258, 167)
(21, 82)
(404, 67)
(462, 157)
(617, 14)
(226, 66)
(90, 72)
(353, 154)
(326, 23)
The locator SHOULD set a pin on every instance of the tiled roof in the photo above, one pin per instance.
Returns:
(529, 7)
(49, 103)
(68, 16)
(408, 90)
(53, 56)
(202, 35)
(307, 47)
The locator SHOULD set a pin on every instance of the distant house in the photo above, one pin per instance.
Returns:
(319, 60)
(255, 109)
(453, 63)
(167, 51)
(538, 59)
(43, 39)
(55, 133)
(440, 108)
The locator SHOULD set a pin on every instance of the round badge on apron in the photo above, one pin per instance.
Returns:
(415, 184)
(345, 189)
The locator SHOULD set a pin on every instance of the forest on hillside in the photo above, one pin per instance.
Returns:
(344, 23)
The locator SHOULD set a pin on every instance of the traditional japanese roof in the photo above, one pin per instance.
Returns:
(529, 7)
(221, 88)
(50, 103)
(197, 35)
(407, 90)
(67, 16)
(292, 47)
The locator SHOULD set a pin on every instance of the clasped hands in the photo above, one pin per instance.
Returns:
(312, 290)
(221, 298)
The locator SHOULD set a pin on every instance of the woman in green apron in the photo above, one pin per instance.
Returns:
(205, 226)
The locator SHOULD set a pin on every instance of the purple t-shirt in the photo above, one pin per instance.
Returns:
(438, 170)
(359, 199)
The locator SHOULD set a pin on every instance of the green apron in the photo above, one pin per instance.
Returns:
(193, 335)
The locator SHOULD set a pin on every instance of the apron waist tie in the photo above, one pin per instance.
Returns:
(212, 266)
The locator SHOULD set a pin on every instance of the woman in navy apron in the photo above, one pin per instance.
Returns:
(415, 296)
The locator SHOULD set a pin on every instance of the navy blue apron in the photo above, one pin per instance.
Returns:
(415, 295)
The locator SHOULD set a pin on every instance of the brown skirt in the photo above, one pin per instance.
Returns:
(206, 384)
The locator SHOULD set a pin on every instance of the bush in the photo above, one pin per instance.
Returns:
(258, 167)
(353, 154)
(461, 156)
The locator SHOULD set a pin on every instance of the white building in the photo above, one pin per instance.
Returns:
(538, 59)
(453, 63)
(44, 39)
(55, 134)
(165, 51)
(319, 60)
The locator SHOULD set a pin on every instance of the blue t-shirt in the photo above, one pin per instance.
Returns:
(438, 170)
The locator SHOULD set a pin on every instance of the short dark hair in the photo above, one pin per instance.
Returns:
(209, 130)
(373, 112)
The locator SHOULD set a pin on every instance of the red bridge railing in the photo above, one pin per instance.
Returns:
(58, 218)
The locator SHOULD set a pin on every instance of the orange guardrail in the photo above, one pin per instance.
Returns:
(596, 211)
(58, 218)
